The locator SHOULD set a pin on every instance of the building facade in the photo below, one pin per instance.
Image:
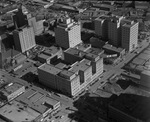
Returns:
(129, 33)
(101, 26)
(24, 38)
(114, 33)
(11, 91)
(68, 33)
(119, 31)
(21, 17)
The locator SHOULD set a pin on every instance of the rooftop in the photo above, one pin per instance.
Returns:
(128, 23)
(43, 56)
(110, 47)
(60, 65)
(76, 52)
(49, 68)
(37, 100)
(3, 36)
(67, 74)
(10, 88)
(133, 105)
(17, 112)
(91, 56)
(82, 65)
(103, 17)
(95, 51)
(83, 47)
(10, 52)
(146, 72)
(52, 50)
(138, 61)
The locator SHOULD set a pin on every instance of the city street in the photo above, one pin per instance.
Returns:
(117, 69)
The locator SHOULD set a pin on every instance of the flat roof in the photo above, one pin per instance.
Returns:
(60, 65)
(102, 17)
(49, 68)
(110, 47)
(67, 74)
(83, 65)
(35, 99)
(92, 56)
(50, 101)
(17, 112)
(102, 5)
(8, 53)
(10, 88)
(83, 47)
(133, 105)
(147, 52)
(95, 51)
(76, 52)
(144, 56)
(52, 50)
(43, 56)
(138, 61)
(146, 72)
(130, 25)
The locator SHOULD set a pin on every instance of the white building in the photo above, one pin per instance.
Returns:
(24, 38)
(68, 33)
(129, 32)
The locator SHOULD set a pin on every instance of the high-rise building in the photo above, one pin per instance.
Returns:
(114, 33)
(119, 31)
(101, 26)
(129, 33)
(21, 17)
(37, 25)
(24, 38)
(68, 33)
(32, 23)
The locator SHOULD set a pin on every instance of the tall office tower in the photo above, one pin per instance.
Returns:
(24, 38)
(101, 26)
(32, 23)
(129, 33)
(114, 30)
(2, 48)
(37, 25)
(21, 17)
(68, 33)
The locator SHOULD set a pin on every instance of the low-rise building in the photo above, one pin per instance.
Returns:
(11, 91)
(44, 58)
(81, 65)
(50, 55)
(113, 50)
(18, 112)
(47, 75)
(40, 102)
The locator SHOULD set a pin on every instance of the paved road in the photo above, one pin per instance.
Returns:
(117, 69)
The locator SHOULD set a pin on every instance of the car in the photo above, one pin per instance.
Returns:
(102, 82)
(137, 52)
(57, 117)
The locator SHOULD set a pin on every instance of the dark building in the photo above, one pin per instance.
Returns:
(130, 108)
(21, 17)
